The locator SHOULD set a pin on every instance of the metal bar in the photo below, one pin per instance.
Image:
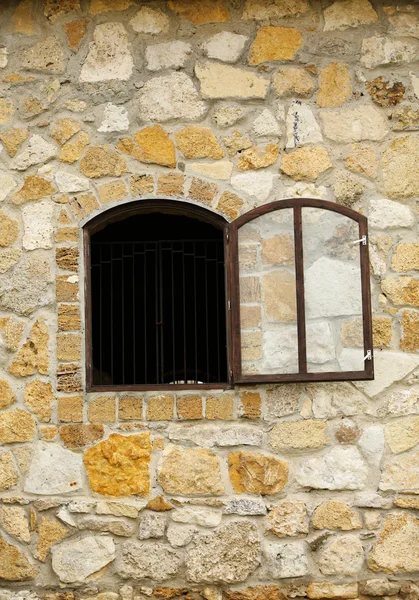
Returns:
(134, 364)
(206, 311)
(299, 280)
(160, 269)
(366, 299)
(100, 316)
(195, 317)
(184, 313)
(122, 316)
(111, 315)
(173, 316)
(217, 305)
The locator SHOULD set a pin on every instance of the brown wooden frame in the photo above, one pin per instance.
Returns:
(233, 292)
(297, 204)
(122, 212)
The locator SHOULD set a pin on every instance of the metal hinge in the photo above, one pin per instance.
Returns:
(229, 305)
(231, 374)
(227, 237)
(368, 355)
(362, 241)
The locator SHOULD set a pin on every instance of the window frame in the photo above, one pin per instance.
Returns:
(297, 204)
(232, 301)
(119, 213)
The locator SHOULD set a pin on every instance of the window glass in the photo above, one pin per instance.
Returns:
(268, 311)
(332, 291)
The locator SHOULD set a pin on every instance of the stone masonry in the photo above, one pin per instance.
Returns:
(252, 493)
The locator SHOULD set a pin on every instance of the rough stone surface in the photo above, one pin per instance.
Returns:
(194, 471)
(306, 163)
(344, 555)
(49, 533)
(198, 142)
(75, 560)
(334, 86)
(275, 43)
(224, 81)
(229, 555)
(150, 145)
(14, 565)
(225, 46)
(347, 125)
(200, 11)
(119, 466)
(38, 225)
(289, 519)
(172, 55)
(401, 473)
(286, 560)
(399, 167)
(170, 97)
(339, 468)
(39, 398)
(54, 470)
(46, 55)
(343, 14)
(255, 473)
(301, 126)
(334, 514)
(298, 435)
(9, 475)
(37, 151)
(257, 185)
(150, 20)
(109, 55)
(396, 550)
(139, 560)
(216, 435)
(379, 50)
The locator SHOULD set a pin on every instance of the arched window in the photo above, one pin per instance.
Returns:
(176, 296)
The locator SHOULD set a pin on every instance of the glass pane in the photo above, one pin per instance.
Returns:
(269, 341)
(333, 298)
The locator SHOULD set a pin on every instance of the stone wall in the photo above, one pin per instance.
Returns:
(252, 493)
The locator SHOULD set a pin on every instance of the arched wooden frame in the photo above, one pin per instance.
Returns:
(233, 290)
(120, 213)
(297, 205)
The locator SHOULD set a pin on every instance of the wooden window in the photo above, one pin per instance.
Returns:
(178, 298)
(301, 294)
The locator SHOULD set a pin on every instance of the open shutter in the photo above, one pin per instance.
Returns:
(301, 305)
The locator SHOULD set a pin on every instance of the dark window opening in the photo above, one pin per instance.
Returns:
(158, 302)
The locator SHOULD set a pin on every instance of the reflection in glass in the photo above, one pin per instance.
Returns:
(269, 341)
(333, 298)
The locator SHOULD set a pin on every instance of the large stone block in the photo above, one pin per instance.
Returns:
(14, 565)
(75, 560)
(343, 14)
(397, 549)
(339, 469)
(399, 166)
(190, 471)
(119, 466)
(229, 555)
(141, 560)
(254, 473)
(54, 470)
(224, 81)
(345, 125)
(171, 97)
(109, 55)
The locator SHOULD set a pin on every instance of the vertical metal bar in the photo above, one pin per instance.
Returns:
(133, 315)
(160, 268)
(366, 298)
(184, 312)
(100, 315)
(111, 315)
(299, 279)
(217, 305)
(206, 310)
(195, 316)
(173, 314)
(123, 313)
